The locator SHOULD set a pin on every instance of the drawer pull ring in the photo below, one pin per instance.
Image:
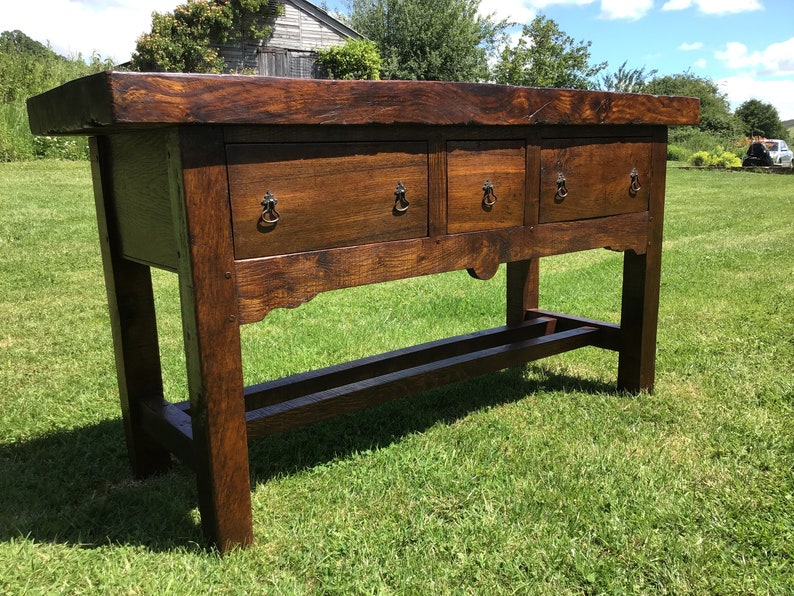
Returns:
(400, 202)
(269, 213)
(635, 185)
(562, 190)
(489, 198)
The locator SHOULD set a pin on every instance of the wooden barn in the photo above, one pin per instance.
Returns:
(299, 28)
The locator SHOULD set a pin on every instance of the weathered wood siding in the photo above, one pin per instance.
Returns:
(297, 33)
(275, 62)
(297, 30)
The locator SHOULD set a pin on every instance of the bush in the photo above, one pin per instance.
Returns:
(692, 140)
(720, 158)
(355, 59)
(69, 148)
(678, 153)
(16, 141)
(701, 158)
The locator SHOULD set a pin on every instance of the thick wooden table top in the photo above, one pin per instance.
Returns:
(117, 101)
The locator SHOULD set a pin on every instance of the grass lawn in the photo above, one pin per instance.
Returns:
(541, 480)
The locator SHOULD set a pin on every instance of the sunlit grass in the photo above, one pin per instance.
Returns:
(534, 480)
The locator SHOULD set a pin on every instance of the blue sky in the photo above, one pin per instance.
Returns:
(746, 46)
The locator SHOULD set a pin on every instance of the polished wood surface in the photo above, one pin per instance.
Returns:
(329, 194)
(113, 101)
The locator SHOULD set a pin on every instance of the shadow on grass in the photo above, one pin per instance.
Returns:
(76, 488)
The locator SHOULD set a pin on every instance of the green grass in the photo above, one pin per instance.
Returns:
(536, 480)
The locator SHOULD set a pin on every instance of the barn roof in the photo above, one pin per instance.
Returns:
(325, 18)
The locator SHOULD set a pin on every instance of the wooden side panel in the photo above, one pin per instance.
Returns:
(144, 222)
(329, 194)
(472, 164)
(212, 334)
(597, 174)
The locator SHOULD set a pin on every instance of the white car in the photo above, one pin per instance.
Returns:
(780, 152)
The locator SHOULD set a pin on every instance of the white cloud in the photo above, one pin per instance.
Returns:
(714, 7)
(677, 5)
(701, 64)
(779, 93)
(85, 26)
(689, 47)
(540, 4)
(625, 9)
(518, 12)
(775, 60)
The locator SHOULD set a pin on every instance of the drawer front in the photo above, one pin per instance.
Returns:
(594, 177)
(328, 195)
(473, 167)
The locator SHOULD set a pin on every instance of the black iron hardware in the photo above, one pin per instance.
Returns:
(635, 185)
(269, 213)
(562, 190)
(400, 202)
(489, 198)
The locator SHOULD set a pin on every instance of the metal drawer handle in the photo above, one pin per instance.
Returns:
(488, 198)
(400, 202)
(269, 213)
(562, 190)
(635, 185)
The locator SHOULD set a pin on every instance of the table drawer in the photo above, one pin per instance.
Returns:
(474, 165)
(593, 177)
(328, 195)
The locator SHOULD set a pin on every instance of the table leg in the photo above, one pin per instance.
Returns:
(641, 279)
(212, 335)
(639, 316)
(522, 289)
(133, 325)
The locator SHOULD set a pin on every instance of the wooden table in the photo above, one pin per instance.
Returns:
(261, 193)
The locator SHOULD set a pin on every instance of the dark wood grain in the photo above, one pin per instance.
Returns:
(641, 282)
(329, 194)
(172, 427)
(289, 281)
(212, 336)
(299, 385)
(469, 165)
(522, 289)
(597, 174)
(117, 100)
(355, 396)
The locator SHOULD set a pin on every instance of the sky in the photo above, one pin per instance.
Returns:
(745, 46)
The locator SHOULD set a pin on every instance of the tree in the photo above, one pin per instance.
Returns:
(715, 112)
(625, 80)
(16, 42)
(762, 119)
(355, 59)
(186, 39)
(545, 56)
(442, 40)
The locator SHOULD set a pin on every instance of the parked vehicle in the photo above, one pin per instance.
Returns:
(780, 153)
(757, 155)
(769, 152)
